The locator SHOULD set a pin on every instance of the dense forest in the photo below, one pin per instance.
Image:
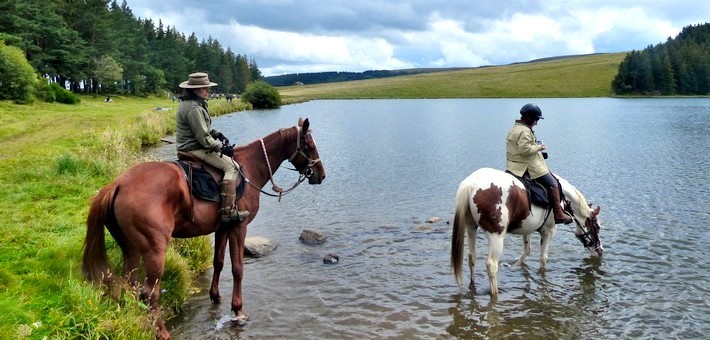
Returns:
(680, 66)
(330, 77)
(99, 46)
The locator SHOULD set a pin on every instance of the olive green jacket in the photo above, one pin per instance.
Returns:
(193, 127)
(522, 153)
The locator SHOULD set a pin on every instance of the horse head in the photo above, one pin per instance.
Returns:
(584, 217)
(587, 222)
(305, 156)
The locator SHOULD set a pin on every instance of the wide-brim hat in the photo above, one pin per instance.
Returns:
(197, 80)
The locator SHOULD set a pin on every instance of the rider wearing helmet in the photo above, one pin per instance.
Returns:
(523, 154)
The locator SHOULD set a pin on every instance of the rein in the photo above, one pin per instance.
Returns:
(305, 173)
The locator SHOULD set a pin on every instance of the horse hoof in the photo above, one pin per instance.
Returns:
(241, 320)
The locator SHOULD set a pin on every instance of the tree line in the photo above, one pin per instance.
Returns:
(330, 77)
(99, 46)
(680, 66)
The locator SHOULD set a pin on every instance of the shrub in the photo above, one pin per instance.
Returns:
(17, 77)
(63, 95)
(261, 95)
(43, 92)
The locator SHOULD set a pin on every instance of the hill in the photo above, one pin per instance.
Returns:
(568, 76)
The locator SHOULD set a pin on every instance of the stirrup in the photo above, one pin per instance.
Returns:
(566, 220)
(235, 215)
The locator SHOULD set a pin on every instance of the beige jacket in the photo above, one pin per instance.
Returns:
(522, 153)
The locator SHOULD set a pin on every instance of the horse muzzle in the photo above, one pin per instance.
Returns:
(315, 178)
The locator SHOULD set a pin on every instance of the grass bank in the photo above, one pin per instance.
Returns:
(53, 159)
(578, 76)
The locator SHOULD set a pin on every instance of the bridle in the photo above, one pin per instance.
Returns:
(304, 173)
(307, 171)
(586, 236)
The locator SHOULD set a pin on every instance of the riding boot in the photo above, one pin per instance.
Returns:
(554, 196)
(228, 196)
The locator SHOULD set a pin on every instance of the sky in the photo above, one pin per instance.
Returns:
(299, 36)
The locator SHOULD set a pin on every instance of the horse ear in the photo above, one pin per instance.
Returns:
(300, 121)
(305, 125)
(596, 211)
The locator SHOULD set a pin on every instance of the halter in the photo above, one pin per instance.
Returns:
(306, 172)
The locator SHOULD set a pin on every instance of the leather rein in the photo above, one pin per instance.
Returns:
(306, 172)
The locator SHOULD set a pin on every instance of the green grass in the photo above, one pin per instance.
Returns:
(578, 76)
(53, 159)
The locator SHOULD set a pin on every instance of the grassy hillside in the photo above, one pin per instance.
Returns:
(577, 76)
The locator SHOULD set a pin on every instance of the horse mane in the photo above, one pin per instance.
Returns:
(282, 131)
(579, 204)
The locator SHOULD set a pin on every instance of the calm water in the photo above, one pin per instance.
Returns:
(392, 164)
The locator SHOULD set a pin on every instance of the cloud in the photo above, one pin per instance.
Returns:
(288, 36)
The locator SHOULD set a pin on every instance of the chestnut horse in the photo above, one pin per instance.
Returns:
(150, 203)
(498, 203)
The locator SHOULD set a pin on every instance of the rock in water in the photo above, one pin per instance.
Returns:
(257, 246)
(311, 236)
(331, 259)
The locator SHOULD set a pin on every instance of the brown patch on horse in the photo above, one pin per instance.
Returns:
(488, 204)
(517, 204)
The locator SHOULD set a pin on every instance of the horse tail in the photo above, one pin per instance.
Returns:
(95, 264)
(459, 232)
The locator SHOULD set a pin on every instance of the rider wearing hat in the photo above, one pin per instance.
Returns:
(194, 134)
(523, 154)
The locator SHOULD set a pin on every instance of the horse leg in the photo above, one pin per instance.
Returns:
(546, 234)
(471, 252)
(495, 249)
(131, 259)
(526, 251)
(236, 253)
(154, 268)
(220, 245)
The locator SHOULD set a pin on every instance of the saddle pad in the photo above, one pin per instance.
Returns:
(203, 185)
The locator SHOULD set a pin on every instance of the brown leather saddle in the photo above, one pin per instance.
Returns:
(204, 179)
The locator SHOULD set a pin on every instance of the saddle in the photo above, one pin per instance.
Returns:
(203, 179)
(537, 194)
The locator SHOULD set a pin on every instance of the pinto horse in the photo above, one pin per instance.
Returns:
(498, 203)
(151, 203)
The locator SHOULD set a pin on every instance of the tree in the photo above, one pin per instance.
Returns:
(17, 77)
(678, 66)
(108, 72)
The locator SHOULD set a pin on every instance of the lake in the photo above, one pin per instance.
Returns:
(393, 164)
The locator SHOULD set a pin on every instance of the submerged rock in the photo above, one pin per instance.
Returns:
(434, 219)
(257, 246)
(331, 259)
(312, 236)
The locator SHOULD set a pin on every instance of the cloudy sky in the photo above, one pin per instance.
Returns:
(293, 36)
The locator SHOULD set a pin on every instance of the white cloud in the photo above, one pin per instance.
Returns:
(310, 36)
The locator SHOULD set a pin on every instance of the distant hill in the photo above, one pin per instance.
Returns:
(563, 77)
(330, 77)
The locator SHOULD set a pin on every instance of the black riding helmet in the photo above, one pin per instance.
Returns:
(532, 111)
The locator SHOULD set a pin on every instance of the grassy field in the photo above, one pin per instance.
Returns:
(53, 159)
(579, 76)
